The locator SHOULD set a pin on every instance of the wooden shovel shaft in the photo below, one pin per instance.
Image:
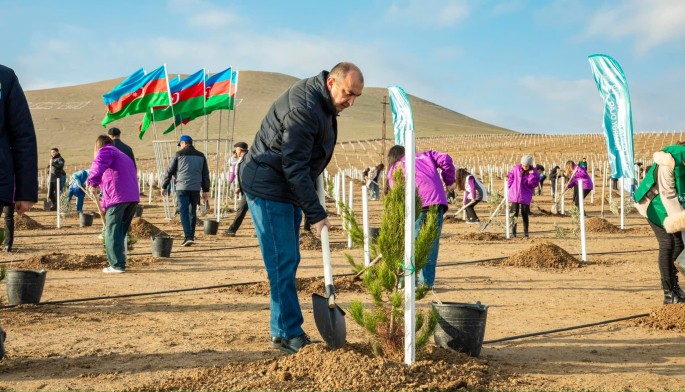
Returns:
(371, 264)
(485, 226)
(95, 200)
(472, 202)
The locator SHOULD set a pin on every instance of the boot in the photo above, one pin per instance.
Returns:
(673, 294)
(2, 343)
(513, 230)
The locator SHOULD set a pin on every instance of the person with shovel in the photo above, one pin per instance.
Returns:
(56, 172)
(18, 153)
(523, 179)
(113, 172)
(661, 199)
(574, 173)
(474, 193)
(431, 191)
(241, 209)
(278, 175)
(76, 186)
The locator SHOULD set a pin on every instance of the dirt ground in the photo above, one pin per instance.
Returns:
(217, 337)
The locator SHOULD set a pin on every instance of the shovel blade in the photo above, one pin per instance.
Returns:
(329, 321)
(555, 208)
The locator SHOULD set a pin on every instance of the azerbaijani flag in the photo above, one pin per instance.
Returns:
(217, 91)
(136, 94)
(234, 90)
(187, 96)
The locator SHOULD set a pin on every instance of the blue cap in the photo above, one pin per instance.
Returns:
(184, 138)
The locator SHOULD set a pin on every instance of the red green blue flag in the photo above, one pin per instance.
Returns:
(136, 94)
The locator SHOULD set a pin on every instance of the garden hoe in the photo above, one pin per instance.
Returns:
(329, 317)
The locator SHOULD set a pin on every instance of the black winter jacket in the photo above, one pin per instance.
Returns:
(18, 148)
(293, 146)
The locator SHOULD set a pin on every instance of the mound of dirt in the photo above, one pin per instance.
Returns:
(543, 255)
(24, 222)
(451, 219)
(305, 286)
(143, 229)
(76, 262)
(596, 224)
(668, 317)
(485, 236)
(308, 241)
(351, 368)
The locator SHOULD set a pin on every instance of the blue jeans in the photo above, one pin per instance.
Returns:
(375, 191)
(187, 207)
(278, 231)
(118, 219)
(429, 268)
(79, 199)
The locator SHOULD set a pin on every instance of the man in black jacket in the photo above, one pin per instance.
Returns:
(191, 171)
(56, 172)
(292, 147)
(115, 135)
(18, 152)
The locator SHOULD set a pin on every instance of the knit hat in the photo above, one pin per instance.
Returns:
(241, 145)
(527, 160)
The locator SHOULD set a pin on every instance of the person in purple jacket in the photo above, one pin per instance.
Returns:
(431, 191)
(115, 174)
(574, 173)
(523, 179)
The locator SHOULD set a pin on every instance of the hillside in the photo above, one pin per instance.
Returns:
(69, 117)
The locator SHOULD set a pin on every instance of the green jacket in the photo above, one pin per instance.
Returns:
(665, 215)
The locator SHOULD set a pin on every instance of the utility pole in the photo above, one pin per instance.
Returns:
(385, 103)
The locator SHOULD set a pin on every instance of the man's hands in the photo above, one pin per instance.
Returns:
(205, 196)
(452, 187)
(164, 192)
(318, 226)
(23, 206)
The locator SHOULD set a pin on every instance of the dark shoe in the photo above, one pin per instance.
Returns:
(292, 346)
(672, 297)
(229, 233)
(7, 248)
(188, 242)
(3, 335)
(275, 342)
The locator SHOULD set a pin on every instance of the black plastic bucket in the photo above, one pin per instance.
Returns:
(161, 246)
(139, 211)
(373, 233)
(25, 286)
(47, 205)
(86, 219)
(211, 226)
(461, 326)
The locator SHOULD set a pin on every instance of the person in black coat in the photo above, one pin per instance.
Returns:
(291, 149)
(115, 135)
(18, 152)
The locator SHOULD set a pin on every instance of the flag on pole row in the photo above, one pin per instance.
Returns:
(136, 94)
(618, 120)
(187, 95)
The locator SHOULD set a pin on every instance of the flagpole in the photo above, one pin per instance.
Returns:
(204, 107)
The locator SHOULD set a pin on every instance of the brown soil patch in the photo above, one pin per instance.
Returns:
(305, 286)
(451, 219)
(352, 368)
(596, 224)
(142, 228)
(543, 255)
(308, 241)
(485, 236)
(25, 222)
(667, 317)
(76, 262)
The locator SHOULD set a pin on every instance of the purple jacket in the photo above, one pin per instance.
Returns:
(522, 186)
(428, 180)
(580, 174)
(114, 172)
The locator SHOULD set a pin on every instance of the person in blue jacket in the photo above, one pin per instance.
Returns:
(18, 152)
(76, 186)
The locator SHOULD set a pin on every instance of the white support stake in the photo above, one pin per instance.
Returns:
(506, 210)
(581, 208)
(365, 219)
(351, 198)
(622, 205)
(59, 193)
(410, 274)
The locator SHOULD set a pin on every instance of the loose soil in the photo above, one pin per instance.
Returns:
(201, 334)
(308, 241)
(544, 255)
(25, 222)
(144, 229)
(596, 224)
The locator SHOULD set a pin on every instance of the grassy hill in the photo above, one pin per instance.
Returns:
(69, 117)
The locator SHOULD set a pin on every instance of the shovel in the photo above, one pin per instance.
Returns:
(472, 202)
(47, 203)
(555, 206)
(486, 224)
(329, 317)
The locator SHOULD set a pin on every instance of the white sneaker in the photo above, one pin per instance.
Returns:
(111, 270)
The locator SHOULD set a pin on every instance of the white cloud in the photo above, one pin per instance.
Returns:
(555, 89)
(650, 23)
(429, 13)
(213, 19)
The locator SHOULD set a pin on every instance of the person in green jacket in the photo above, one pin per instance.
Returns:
(661, 199)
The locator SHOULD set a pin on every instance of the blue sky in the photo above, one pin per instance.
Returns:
(517, 64)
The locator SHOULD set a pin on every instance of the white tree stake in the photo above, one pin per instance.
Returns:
(365, 218)
(581, 208)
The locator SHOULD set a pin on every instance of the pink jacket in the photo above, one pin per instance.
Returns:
(115, 174)
(428, 181)
(522, 186)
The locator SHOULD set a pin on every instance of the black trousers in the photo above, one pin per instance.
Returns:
(240, 212)
(670, 246)
(8, 211)
(525, 211)
(576, 201)
(471, 212)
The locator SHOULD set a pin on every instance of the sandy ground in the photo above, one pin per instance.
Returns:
(217, 338)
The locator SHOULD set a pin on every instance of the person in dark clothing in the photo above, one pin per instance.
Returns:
(115, 135)
(553, 177)
(18, 153)
(241, 209)
(56, 171)
(278, 176)
(8, 211)
(191, 171)
(543, 177)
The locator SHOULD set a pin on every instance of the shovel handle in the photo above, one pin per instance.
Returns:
(472, 202)
(327, 268)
